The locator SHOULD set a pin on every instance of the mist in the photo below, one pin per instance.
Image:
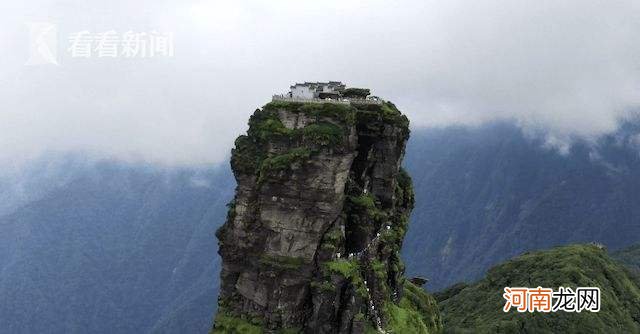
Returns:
(565, 69)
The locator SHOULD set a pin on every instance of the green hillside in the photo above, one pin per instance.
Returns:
(477, 308)
(630, 257)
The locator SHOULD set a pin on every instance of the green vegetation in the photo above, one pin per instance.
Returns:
(332, 239)
(234, 325)
(282, 262)
(321, 132)
(246, 157)
(283, 161)
(225, 323)
(332, 123)
(231, 213)
(271, 127)
(343, 113)
(323, 286)
(366, 201)
(349, 269)
(276, 105)
(404, 320)
(265, 125)
(418, 300)
(362, 213)
(346, 268)
(334, 235)
(450, 291)
(391, 114)
(392, 237)
(328, 246)
(417, 312)
(404, 197)
(360, 93)
(379, 268)
(630, 257)
(478, 308)
(369, 329)
(404, 189)
(324, 134)
(375, 115)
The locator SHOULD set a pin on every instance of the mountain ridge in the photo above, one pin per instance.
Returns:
(106, 242)
(434, 158)
(478, 307)
(489, 193)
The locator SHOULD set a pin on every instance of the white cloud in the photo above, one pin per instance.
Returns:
(570, 67)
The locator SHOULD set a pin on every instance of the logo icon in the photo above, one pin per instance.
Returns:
(43, 46)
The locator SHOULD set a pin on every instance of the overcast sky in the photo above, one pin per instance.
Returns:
(571, 68)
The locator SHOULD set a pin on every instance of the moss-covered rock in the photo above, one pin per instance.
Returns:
(227, 323)
(344, 113)
(283, 162)
(313, 236)
(247, 155)
(323, 133)
(282, 262)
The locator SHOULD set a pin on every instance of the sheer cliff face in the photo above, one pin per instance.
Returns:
(312, 236)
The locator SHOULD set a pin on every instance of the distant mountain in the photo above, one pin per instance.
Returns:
(630, 257)
(119, 248)
(486, 194)
(110, 248)
(478, 308)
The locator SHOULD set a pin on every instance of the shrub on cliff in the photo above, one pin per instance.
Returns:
(359, 93)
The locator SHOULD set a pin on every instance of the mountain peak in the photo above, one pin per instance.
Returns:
(313, 234)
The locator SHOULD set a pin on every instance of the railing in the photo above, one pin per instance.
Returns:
(317, 100)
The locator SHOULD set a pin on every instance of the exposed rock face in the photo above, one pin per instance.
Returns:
(312, 239)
